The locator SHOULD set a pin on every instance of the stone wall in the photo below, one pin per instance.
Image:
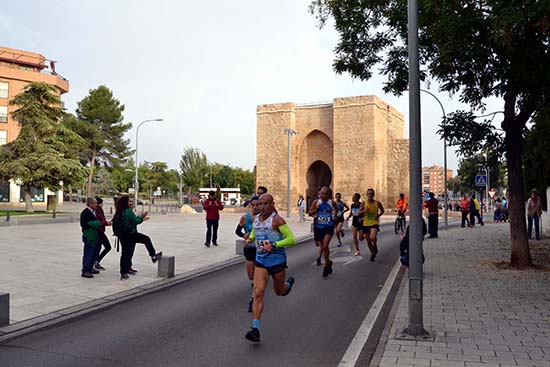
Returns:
(359, 138)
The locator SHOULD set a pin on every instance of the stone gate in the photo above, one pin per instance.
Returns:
(350, 145)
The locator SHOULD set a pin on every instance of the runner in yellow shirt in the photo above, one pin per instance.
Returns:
(371, 210)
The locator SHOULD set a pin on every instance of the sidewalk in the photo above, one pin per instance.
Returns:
(481, 312)
(40, 264)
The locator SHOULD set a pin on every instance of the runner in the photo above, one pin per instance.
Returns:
(323, 210)
(272, 235)
(356, 222)
(372, 210)
(341, 208)
(243, 230)
(317, 242)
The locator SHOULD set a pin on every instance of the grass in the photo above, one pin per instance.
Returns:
(13, 213)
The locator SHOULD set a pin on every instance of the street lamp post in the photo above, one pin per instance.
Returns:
(289, 133)
(445, 214)
(136, 183)
(415, 327)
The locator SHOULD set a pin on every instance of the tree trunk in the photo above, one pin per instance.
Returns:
(70, 193)
(516, 204)
(28, 200)
(91, 175)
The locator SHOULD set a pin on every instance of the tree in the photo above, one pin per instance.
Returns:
(468, 168)
(44, 153)
(102, 128)
(476, 48)
(536, 165)
(194, 168)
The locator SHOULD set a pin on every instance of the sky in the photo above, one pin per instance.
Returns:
(202, 66)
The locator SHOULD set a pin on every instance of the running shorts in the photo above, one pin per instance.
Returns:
(320, 233)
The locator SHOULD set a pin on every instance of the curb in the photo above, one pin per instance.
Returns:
(65, 315)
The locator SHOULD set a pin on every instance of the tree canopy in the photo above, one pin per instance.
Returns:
(100, 122)
(44, 153)
(476, 49)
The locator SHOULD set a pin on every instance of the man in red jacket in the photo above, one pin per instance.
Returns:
(212, 207)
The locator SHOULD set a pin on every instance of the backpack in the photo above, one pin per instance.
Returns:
(119, 228)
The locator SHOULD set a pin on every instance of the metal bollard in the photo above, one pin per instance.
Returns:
(8, 216)
(54, 215)
(111, 210)
(4, 309)
(166, 266)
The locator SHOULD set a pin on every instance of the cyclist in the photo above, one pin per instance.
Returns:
(402, 207)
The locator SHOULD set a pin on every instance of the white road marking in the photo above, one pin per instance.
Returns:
(354, 349)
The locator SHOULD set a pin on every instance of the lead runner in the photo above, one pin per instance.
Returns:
(271, 235)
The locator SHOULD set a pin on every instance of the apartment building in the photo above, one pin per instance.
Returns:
(18, 68)
(433, 179)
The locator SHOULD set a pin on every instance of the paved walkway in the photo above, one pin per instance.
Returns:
(481, 312)
(40, 263)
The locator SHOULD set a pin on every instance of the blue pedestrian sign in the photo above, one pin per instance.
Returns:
(481, 180)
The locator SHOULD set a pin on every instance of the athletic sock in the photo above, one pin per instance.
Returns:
(256, 324)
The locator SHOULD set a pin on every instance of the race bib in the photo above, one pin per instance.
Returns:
(261, 243)
(324, 219)
(339, 213)
(355, 212)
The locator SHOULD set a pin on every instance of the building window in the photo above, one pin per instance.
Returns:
(3, 137)
(4, 90)
(3, 114)
(37, 194)
(4, 192)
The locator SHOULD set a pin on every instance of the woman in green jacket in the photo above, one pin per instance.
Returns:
(129, 236)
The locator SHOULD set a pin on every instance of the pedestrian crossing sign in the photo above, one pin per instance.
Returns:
(481, 180)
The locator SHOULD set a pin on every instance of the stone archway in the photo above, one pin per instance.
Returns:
(317, 176)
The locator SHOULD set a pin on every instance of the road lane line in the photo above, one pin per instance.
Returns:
(354, 349)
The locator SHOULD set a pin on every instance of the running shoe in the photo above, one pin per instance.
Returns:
(207, 244)
(357, 253)
(372, 257)
(124, 277)
(253, 335)
(86, 275)
(94, 271)
(156, 257)
(249, 308)
(325, 272)
(290, 281)
(330, 267)
(132, 271)
(215, 243)
(339, 243)
(319, 261)
(98, 266)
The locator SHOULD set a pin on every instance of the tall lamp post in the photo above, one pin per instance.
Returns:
(289, 133)
(445, 214)
(136, 182)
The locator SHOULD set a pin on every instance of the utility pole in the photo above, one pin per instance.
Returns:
(415, 327)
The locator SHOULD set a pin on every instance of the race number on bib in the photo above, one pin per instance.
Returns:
(324, 219)
(355, 212)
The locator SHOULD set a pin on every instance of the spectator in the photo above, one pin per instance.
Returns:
(476, 211)
(301, 208)
(465, 207)
(432, 205)
(498, 210)
(129, 235)
(212, 206)
(103, 239)
(90, 235)
(534, 211)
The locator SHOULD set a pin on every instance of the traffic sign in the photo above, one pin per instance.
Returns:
(492, 193)
(481, 180)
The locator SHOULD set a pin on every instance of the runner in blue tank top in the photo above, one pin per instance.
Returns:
(271, 235)
(324, 210)
(243, 230)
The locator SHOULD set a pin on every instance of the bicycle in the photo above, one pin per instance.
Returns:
(400, 224)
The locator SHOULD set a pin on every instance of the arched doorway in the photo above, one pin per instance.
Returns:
(318, 175)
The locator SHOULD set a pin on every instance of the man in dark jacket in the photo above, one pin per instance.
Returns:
(212, 207)
(90, 236)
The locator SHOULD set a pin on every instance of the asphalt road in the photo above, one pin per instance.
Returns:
(202, 322)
